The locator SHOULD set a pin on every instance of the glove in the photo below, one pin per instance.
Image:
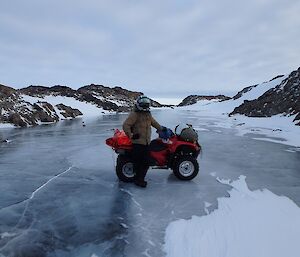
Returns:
(135, 136)
(163, 129)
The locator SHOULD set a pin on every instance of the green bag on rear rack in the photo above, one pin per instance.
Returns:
(186, 133)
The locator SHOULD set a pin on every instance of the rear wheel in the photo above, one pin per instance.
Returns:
(124, 169)
(186, 168)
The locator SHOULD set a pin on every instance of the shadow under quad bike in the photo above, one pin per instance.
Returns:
(175, 154)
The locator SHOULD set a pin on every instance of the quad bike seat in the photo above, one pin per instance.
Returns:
(157, 145)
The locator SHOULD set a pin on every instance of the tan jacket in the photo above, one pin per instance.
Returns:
(140, 123)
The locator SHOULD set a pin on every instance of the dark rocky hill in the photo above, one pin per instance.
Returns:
(192, 99)
(16, 110)
(29, 106)
(282, 99)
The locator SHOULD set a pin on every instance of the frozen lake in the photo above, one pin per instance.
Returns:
(59, 195)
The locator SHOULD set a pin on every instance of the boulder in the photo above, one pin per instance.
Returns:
(15, 118)
(67, 111)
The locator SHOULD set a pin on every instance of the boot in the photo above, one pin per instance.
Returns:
(140, 183)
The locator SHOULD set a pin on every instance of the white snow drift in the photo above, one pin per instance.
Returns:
(247, 224)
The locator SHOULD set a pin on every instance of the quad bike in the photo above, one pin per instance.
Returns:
(174, 153)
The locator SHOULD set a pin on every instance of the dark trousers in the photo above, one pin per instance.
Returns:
(140, 159)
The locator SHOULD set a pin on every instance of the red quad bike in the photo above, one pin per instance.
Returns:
(175, 154)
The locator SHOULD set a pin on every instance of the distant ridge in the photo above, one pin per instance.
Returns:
(192, 99)
(35, 105)
(28, 106)
(280, 95)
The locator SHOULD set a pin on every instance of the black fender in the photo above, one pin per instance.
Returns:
(183, 150)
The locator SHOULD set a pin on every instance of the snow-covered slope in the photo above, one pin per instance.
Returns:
(278, 128)
(279, 96)
(284, 98)
(229, 105)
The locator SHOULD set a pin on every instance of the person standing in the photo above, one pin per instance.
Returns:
(137, 127)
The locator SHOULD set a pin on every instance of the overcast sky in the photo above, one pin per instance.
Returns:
(164, 47)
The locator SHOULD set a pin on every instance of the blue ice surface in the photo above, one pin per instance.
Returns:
(59, 195)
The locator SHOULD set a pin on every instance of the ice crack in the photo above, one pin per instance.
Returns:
(47, 182)
(38, 189)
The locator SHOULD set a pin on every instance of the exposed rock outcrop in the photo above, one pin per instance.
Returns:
(111, 99)
(15, 109)
(23, 114)
(68, 112)
(29, 106)
(40, 91)
(192, 99)
(282, 99)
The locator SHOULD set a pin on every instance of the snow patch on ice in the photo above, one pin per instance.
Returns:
(278, 126)
(206, 206)
(273, 140)
(200, 129)
(124, 225)
(293, 150)
(6, 126)
(248, 223)
(290, 151)
(223, 181)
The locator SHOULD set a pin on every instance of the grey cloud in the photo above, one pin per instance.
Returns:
(152, 46)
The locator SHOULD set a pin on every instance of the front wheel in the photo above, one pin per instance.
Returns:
(124, 169)
(186, 168)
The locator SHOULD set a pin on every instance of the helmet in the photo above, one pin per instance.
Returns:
(143, 103)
